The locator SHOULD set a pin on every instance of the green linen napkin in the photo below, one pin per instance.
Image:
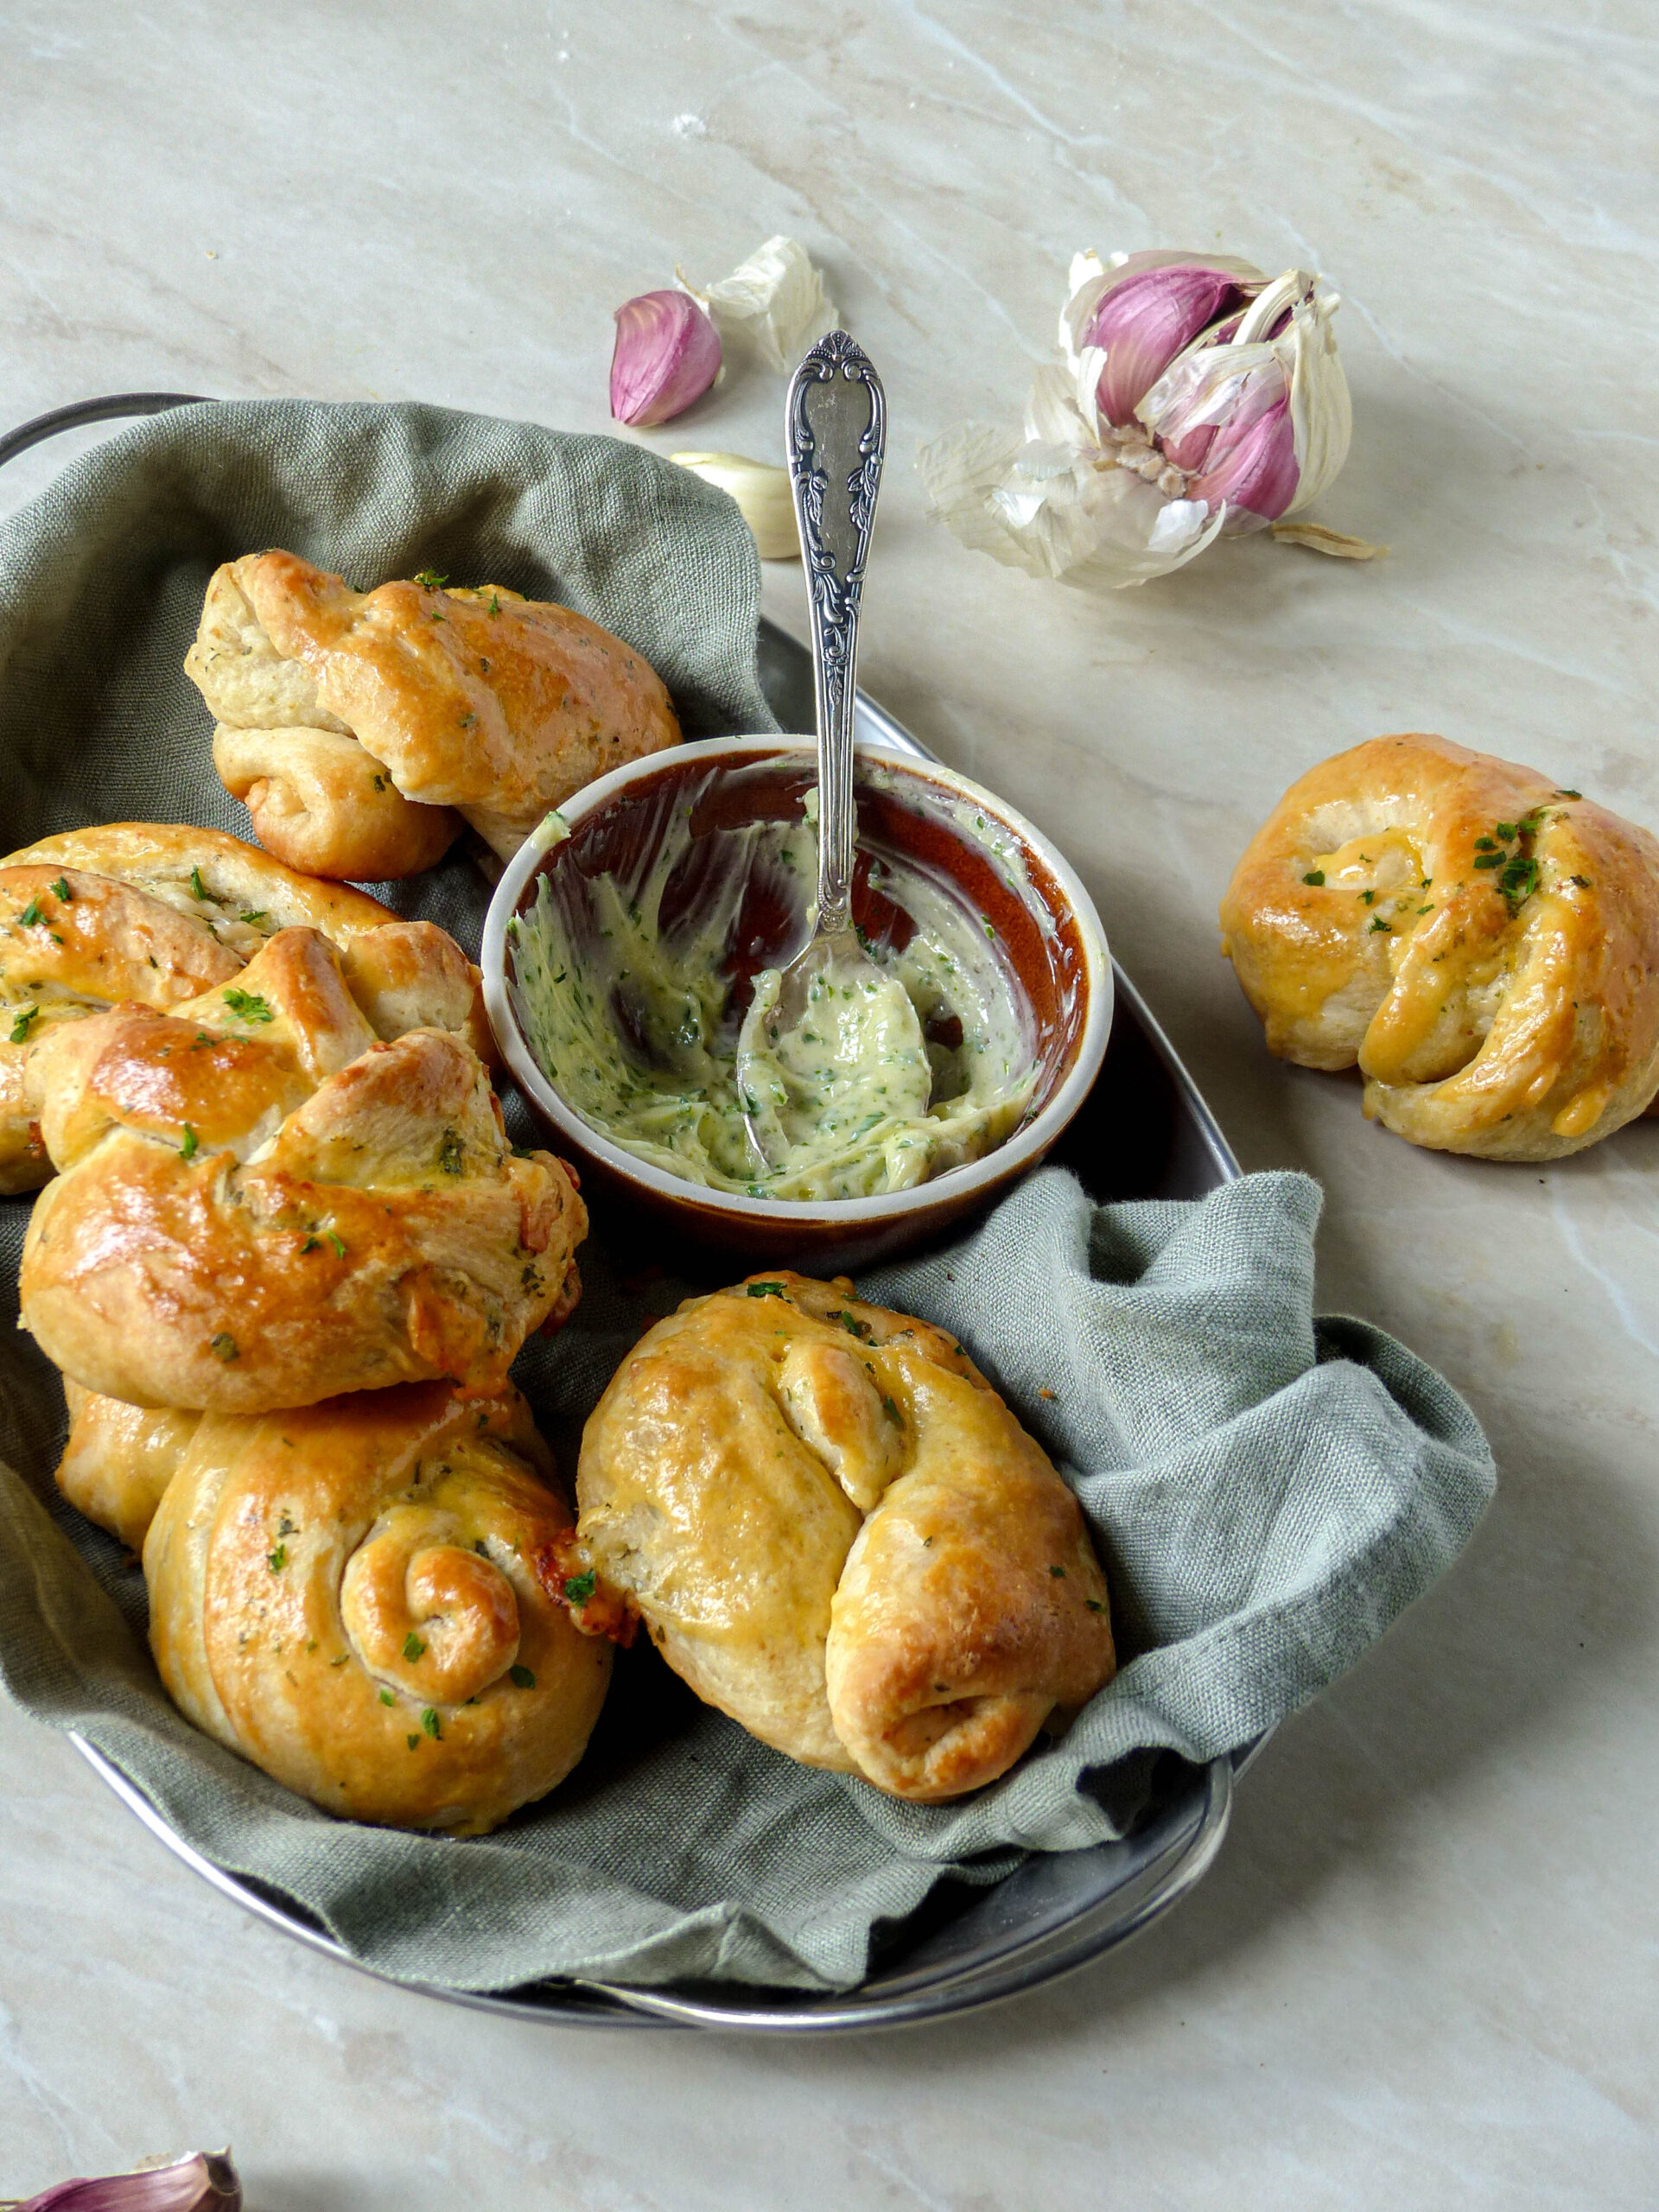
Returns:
(1268, 1492)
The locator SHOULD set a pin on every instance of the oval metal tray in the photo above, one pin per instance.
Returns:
(1144, 1132)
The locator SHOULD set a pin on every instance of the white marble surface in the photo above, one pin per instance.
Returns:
(1423, 1972)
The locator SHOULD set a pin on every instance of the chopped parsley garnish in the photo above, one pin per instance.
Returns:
(495, 604)
(379, 783)
(20, 1022)
(254, 915)
(452, 1153)
(1059, 1573)
(224, 1346)
(1093, 1604)
(248, 1006)
(522, 1678)
(765, 1290)
(386, 1698)
(429, 1722)
(338, 1242)
(1377, 923)
(853, 1325)
(286, 1527)
(1582, 882)
(1509, 831)
(1367, 896)
(197, 889)
(1519, 879)
(429, 580)
(414, 1743)
(530, 1280)
(278, 1561)
(1487, 844)
(311, 1244)
(579, 1588)
(31, 914)
(1315, 876)
(413, 1647)
(892, 1411)
(61, 891)
(1569, 794)
(188, 1148)
(1489, 859)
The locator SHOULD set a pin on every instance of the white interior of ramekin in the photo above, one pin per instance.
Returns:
(958, 1182)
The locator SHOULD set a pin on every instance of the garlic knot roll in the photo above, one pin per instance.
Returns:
(349, 1596)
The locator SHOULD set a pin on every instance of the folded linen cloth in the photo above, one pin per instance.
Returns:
(1268, 1492)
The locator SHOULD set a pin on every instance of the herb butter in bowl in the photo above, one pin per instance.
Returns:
(628, 938)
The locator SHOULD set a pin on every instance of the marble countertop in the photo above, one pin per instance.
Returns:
(1423, 1971)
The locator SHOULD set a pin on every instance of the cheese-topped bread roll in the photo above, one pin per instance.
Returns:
(1483, 942)
(260, 1203)
(836, 1532)
(351, 722)
(356, 1597)
(154, 913)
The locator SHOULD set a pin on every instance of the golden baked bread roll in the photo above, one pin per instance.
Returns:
(351, 722)
(120, 1459)
(157, 912)
(1483, 942)
(838, 1533)
(259, 1204)
(348, 1595)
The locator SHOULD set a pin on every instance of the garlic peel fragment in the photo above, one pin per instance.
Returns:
(771, 306)
(1317, 539)
(762, 494)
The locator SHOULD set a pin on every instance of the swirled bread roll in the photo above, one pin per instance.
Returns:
(260, 1205)
(348, 1595)
(838, 1533)
(1485, 945)
(155, 913)
(351, 722)
(120, 1459)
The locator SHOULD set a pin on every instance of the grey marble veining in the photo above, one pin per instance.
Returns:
(1423, 1972)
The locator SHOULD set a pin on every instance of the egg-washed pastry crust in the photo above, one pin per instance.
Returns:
(154, 913)
(345, 1595)
(352, 723)
(836, 1532)
(260, 1203)
(1482, 942)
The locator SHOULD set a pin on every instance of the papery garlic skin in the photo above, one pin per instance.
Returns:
(763, 496)
(1197, 397)
(771, 306)
(667, 354)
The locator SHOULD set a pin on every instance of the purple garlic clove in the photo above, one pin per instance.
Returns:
(1251, 465)
(205, 2183)
(667, 355)
(1148, 318)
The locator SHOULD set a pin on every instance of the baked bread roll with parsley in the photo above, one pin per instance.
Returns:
(360, 727)
(362, 1598)
(1481, 943)
(836, 1532)
(154, 913)
(118, 1460)
(260, 1203)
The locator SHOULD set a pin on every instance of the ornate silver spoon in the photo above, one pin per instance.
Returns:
(833, 1038)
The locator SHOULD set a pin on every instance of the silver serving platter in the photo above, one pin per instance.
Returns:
(1146, 1118)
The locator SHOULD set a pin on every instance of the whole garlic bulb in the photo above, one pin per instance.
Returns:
(1197, 397)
